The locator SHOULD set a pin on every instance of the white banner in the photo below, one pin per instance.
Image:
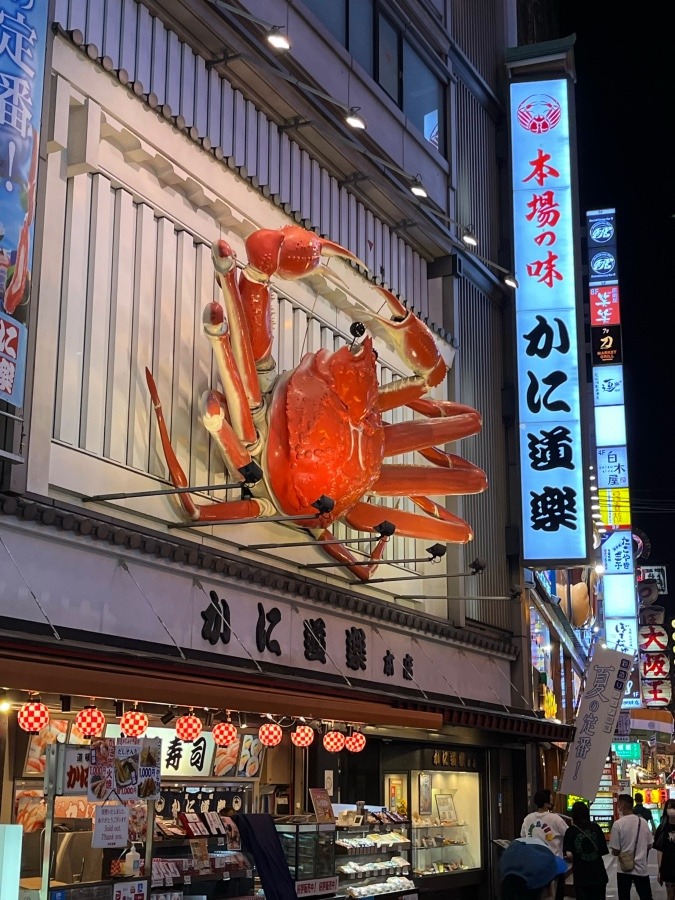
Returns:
(606, 679)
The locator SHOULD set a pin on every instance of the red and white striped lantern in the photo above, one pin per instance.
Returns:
(134, 723)
(270, 734)
(224, 734)
(355, 742)
(90, 721)
(188, 728)
(302, 736)
(33, 717)
(333, 741)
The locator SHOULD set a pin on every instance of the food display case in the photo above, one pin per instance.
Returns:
(309, 848)
(372, 851)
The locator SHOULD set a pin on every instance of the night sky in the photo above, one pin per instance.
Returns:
(625, 110)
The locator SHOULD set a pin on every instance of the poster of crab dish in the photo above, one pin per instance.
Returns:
(23, 37)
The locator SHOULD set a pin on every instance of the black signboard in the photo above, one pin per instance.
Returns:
(606, 345)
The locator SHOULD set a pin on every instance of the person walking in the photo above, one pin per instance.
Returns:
(584, 845)
(548, 827)
(641, 810)
(630, 834)
(664, 844)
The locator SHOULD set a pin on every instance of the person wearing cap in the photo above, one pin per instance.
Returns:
(529, 871)
(548, 827)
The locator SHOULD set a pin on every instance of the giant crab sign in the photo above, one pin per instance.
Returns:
(317, 431)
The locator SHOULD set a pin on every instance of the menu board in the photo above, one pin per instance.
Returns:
(101, 780)
(323, 808)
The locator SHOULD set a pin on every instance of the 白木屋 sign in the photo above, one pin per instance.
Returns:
(606, 679)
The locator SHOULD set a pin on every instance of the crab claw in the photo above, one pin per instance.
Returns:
(413, 341)
(223, 257)
(290, 252)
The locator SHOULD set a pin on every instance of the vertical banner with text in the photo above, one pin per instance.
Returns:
(23, 42)
(606, 679)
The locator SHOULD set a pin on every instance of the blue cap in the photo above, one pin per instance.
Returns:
(533, 861)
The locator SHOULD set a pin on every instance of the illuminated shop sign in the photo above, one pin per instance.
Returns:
(551, 465)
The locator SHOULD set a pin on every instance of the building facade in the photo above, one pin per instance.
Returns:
(167, 127)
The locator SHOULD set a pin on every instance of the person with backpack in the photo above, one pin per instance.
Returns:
(584, 845)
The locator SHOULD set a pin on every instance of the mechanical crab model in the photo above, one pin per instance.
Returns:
(317, 431)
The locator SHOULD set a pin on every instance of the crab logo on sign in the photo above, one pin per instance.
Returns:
(539, 113)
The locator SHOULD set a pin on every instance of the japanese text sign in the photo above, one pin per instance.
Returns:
(552, 478)
(111, 826)
(606, 679)
(23, 40)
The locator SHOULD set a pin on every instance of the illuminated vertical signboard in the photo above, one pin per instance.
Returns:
(23, 41)
(613, 513)
(551, 463)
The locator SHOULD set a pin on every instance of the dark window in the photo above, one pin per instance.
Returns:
(361, 33)
(333, 14)
(388, 59)
(422, 97)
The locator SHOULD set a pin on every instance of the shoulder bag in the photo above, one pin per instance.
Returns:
(627, 857)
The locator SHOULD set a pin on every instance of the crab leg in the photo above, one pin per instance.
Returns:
(235, 509)
(213, 410)
(448, 528)
(424, 433)
(402, 480)
(342, 555)
(224, 263)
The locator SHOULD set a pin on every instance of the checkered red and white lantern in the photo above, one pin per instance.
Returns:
(188, 728)
(134, 723)
(224, 734)
(302, 736)
(355, 742)
(270, 734)
(33, 717)
(333, 741)
(90, 721)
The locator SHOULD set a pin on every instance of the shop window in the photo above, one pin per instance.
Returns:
(388, 59)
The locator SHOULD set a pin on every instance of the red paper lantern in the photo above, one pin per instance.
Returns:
(90, 721)
(333, 741)
(134, 723)
(224, 734)
(188, 728)
(33, 717)
(302, 736)
(270, 734)
(355, 742)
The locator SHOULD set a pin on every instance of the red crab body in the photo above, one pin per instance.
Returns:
(317, 432)
(326, 436)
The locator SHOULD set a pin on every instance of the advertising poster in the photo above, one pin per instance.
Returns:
(606, 681)
(127, 760)
(101, 780)
(23, 40)
(149, 780)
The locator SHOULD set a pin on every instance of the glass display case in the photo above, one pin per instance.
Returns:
(309, 849)
(445, 822)
(372, 851)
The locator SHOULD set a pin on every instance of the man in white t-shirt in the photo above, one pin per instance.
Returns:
(548, 826)
(632, 833)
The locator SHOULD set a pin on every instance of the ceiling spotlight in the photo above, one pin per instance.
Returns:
(119, 709)
(5, 703)
(385, 528)
(354, 120)
(469, 237)
(168, 716)
(511, 281)
(478, 565)
(277, 39)
(65, 703)
(417, 188)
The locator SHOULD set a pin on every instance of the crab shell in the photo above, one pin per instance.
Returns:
(326, 435)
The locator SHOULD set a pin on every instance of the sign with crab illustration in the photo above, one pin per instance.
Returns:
(312, 442)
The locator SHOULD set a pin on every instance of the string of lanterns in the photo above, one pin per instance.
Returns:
(90, 721)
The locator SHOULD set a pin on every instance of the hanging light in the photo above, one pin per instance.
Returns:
(134, 723)
(355, 742)
(333, 741)
(270, 734)
(90, 721)
(302, 736)
(33, 716)
(224, 734)
(188, 728)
